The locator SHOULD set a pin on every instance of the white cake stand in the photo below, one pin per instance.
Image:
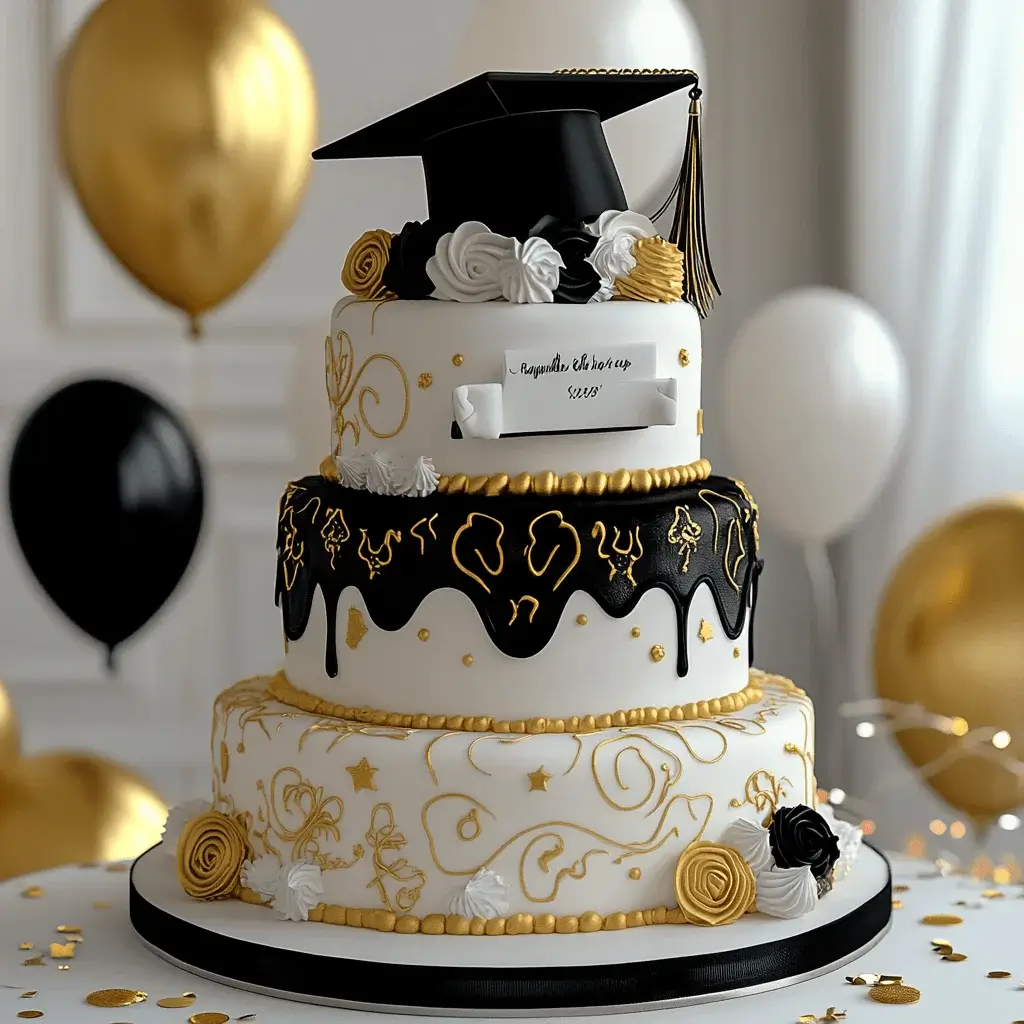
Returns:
(247, 947)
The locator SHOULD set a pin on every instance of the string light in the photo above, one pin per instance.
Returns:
(1002, 876)
(865, 730)
(958, 830)
(836, 796)
(867, 827)
(1009, 822)
(1001, 740)
(915, 846)
(937, 828)
(959, 726)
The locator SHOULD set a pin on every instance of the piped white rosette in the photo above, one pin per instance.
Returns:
(617, 232)
(788, 893)
(485, 895)
(385, 472)
(292, 889)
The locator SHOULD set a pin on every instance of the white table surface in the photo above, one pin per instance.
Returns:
(110, 956)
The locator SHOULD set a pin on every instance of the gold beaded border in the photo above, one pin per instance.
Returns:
(624, 71)
(594, 485)
(456, 924)
(281, 689)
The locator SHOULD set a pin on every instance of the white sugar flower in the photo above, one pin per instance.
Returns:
(260, 875)
(298, 890)
(464, 267)
(485, 895)
(617, 232)
(177, 818)
(530, 272)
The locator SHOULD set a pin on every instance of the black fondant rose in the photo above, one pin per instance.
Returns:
(406, 272)
(578, 282)
(800, 836)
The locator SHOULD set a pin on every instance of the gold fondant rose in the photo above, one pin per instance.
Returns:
(658, 274)
(363, 273)
(714, 884)
(211, 851)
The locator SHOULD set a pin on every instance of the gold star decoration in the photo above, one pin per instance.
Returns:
(539, 779)
(831, 1014)
(705, 632)
(362, 775)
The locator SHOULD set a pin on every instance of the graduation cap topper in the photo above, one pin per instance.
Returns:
(510, 149)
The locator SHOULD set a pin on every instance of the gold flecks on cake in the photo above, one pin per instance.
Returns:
(356, 629)
(458, 359)
(581, 620)
(635, 632)
(705, 632)
(467, 660)
(539, 780)
(657, 653)
(363, 271)
(684, 358)
(897, 904)
(700, 422)
(735, 652)
(636, 874)
(329, 469)
(240, 748)
(423, 635)
(658, 274)
(362, 775)
(426, 379)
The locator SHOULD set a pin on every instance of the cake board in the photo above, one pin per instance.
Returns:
(648, 968)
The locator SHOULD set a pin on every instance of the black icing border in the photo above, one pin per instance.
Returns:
(318, 978)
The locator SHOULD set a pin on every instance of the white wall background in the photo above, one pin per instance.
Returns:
(66, 309)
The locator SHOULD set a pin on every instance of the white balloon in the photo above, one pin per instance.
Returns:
(544, 35)
(815, 402)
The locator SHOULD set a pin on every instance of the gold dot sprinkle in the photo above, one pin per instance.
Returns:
(33, 892)
(581, 620)
(998, 974)
(684, 358)
(657, 653)
(176, 1002)
(209, 1018)
(467, 660)
(635, 632)
(424, 635)
(111, 997)
(426, 379)
(895, 995)
(942, 919)
(240, 748)
(457, 359)
(735, 652)
(636, 874)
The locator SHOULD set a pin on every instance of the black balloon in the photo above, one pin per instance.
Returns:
(106, 498)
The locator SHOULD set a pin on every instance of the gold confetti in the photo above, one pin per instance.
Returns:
(901, 888)
(69, 929)
(118, 867)
(998, 974)
(891, 979)
(33, 892)
(36, 961)
(76, 938)
(24, 946)
(942, 919)
(63, 967)
(111, 997)
(30, 1014)
(895, 995)
(248, 1016)
(897, 904)
(59, 952)
(101, 905)
(955, 958)
(209, 1018)
(176, 1002)
(993, 894)
(29, 995)
(961, 903)
(941, 942)
(831, 1014)
(864, 979)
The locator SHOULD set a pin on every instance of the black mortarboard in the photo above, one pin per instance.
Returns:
(511, 148)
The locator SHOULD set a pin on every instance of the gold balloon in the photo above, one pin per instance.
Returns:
(73, 808)
(186, 131)
(950, 637)
(10, 737)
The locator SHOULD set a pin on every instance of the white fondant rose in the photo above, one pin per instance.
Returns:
(177, 818)
(464, 267)
(298, 890)
(485, 895)
(380, 473)
(617, 232)
(752, 841)
(352, 471)
(850, 839)
(787, 892)
(417, 480)
(260, 875)
(530, 272)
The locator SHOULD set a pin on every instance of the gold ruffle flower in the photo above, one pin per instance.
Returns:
(363, 272)
(658, 275)
(211, 851)
(714, 884)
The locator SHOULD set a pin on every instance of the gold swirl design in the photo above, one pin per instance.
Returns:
(343, 380)
(562, 525)
(335, 532)
(344, 730)
(763, 792)
(282, 690)
(671, 770)
(383, 839)
(593, 485)
(516, 605)
(293, 550)
(750, 514)
(555, 830)
(377, 558)
(429, 523)
(471, 821)
(806, 758)
(735, 550)
(621, 558)
(428, 753)
(685, 534)
(658, 274)
(468, 525)
(483, 739)
(297, 814)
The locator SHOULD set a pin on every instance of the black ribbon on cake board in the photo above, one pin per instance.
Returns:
(314, 978)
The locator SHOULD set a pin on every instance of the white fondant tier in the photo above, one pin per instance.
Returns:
(395, 366)
(592, 669)
(401, 820)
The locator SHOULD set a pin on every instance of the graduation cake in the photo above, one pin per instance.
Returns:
(517, 695)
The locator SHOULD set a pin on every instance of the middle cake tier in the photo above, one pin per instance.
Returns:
(518, 612)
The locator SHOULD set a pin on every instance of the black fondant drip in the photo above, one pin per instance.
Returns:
(518, 559)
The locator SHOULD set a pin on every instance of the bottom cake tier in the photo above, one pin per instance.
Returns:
(493, 833)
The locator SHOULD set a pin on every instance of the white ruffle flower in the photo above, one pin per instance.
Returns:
(850, 839)
(352, 471)
(177, 818)
(787, 893)
(485, 895)
(752, 842)
(464, 267)
(380, 473)
(530, 272)
(260, 875)
(416, 480)
(297, 890)
(617, 232)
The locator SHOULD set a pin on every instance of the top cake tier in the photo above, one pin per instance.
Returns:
(500, 389)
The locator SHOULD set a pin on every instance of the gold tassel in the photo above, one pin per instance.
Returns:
(689, 226)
